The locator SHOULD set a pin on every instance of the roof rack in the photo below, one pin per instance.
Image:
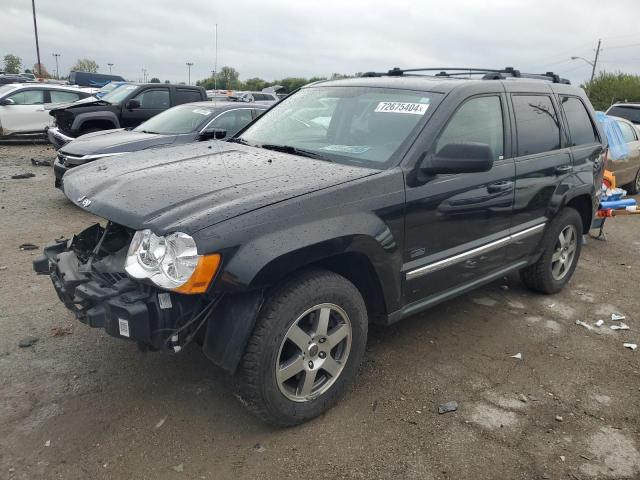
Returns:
(486, 73)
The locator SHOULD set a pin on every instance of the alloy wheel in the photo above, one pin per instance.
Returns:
(313, 352)
(564, 252)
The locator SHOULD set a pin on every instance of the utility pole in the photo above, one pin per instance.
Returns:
(215, 63)
(56, 55)
(595, 61)
(35, 28)
(189, 65)
(110, 65)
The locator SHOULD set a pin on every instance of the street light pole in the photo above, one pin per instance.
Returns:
(56, 55)
(35, 28)
(215, 63)
(110, 65)
(593, 64)
(189, 65)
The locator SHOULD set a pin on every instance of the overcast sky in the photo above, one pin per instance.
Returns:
(282, 38)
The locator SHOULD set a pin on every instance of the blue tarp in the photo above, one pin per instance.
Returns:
(618, 149)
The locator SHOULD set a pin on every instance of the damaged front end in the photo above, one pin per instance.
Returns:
(88, 274)
(89, 278)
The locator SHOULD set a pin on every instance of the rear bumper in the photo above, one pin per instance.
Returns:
(57, 138)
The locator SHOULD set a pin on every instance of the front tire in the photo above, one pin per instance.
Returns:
(561, 247)
(634, 187)
(305, 349)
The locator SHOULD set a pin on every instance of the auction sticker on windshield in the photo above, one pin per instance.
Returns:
(402, 107)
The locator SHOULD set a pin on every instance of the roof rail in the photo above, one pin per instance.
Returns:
(486, 73)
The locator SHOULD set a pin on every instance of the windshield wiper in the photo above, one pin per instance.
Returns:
(294, 151)
(241, 141)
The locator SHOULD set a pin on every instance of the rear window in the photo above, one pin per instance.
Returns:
(185, 95)
(630, 113)
(580, 126)
(538, 129)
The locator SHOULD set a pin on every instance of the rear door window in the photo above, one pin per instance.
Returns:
(580, 126)
(232, 121)
(186, 95)
(28, 97)
(58, 96)
(628, 132)
(479, 120)
(537, 124)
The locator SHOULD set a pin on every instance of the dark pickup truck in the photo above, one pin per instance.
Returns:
(127, 106)
(349, 202)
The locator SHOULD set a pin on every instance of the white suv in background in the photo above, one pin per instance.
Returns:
(24, 108)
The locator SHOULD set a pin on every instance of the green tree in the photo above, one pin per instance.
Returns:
(154, 80)
(228, 78)
(167, 81)
(85, 65)
(12, 63)
(254, 84)
(608, 88)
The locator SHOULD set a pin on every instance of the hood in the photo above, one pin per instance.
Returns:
(83, 102)
(115, 141)
(193, 186)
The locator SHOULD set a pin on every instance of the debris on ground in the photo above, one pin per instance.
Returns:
(178, 468)
(29, 246)
(23, 175)
(2, 268)
(622, 326)
(517, 355)
(61, 331)
(523, 398)
(562, 457)
(632, 346)
(27, 341)
(47, 443)
(259, 448)
(448, 407)
(599, 323)
(160, 423)
(583, 324)
(559, 418)
(615, 317)
(40, 163)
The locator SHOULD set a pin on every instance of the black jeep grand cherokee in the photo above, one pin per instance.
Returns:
(351, 201)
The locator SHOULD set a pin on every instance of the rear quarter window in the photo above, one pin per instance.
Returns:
(537, 124)
(580, 126)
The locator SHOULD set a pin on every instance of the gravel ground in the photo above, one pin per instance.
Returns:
(80, 404)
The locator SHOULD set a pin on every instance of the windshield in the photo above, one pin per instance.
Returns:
(177, 120)
(109, 87)
(630, 113)
(356, 125)
(119, 94)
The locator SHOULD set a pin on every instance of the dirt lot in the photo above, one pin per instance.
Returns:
(85, 405)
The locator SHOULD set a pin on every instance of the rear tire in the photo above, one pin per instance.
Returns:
(634, 187)
(314, 320)
(561, 246)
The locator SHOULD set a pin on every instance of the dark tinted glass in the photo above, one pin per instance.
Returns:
(627, 132)
(155, 99)
(630, 113)
(479, 120)
(580, 126)
(184, 95)
(537, 124)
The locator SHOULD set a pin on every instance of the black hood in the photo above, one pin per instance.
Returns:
(193, 186)
(83, 102)
(115, 141)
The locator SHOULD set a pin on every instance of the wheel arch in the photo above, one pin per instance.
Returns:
(84, 120)
(583, 204)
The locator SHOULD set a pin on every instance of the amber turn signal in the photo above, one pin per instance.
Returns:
(202, 276)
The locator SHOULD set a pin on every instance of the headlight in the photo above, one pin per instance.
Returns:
(171, 262)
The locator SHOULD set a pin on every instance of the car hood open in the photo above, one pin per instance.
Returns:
(115, 141)
(193, 186)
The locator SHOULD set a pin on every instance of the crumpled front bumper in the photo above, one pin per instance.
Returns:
(112, 301)
(57, 138)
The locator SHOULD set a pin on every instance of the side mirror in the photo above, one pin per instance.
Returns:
(213, 133)
(7, 101)
(459, 158)
(131, 104)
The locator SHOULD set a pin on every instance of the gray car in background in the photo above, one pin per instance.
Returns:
(190, 122)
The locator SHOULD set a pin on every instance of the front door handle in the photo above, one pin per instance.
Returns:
(500, 187)
(563, 169)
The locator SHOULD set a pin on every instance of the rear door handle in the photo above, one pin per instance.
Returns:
(500, 187)
(563, 169)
